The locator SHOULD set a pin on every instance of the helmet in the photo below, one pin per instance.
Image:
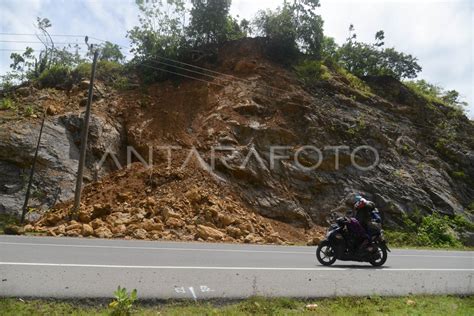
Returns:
(360, 202)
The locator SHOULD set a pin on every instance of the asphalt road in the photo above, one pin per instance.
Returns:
(93, 268)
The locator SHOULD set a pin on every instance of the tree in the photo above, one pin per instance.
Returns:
(309, 26)
(452, 97)
(43, 24)
(111, 52)
(329, 49)
(210, 21)
(161, 31)
(364, 59)
(280, 30)
(292, 28)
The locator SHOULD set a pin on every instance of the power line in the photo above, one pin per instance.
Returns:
(52, 35)
(160, 57)
(38, 42)
(202, 72)
(11, 50)
(185, 69)
(198, 79)
(182, 75)
(211, 71)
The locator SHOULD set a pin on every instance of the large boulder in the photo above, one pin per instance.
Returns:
(56, 168)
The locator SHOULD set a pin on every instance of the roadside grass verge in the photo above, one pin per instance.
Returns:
(409, 240)
(434, 231)
(409, 305)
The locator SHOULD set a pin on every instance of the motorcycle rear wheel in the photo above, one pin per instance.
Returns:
(325, 254)
(383, 257)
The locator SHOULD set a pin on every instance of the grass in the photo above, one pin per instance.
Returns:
(6, 220)
(411, 305)
(431, 231)
(407, 240)
(7, 104)
(355, 82)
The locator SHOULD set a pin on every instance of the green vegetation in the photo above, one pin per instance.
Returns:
(123, 303)
(59, 67)
(55, 76)
(459, 175)
(362, 59)
(354, 82)
(7, 104)
(110, 52)
(29, 110)
(209, 21)
(358, 127)
(411, 305)
(292, 28)
(176, 30)
(7, 220)
(310, 71)
(471, 207)
(435, 94)
(434, 230)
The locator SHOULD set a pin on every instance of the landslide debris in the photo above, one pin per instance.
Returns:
(167, 204)
(425, 149)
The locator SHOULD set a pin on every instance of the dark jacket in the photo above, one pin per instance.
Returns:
(364, 214)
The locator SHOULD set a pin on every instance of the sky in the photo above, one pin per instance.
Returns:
(439, 33)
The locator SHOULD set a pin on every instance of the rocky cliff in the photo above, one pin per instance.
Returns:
(255, 152)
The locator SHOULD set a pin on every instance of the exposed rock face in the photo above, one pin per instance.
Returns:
(424, 152)
(267, 145)
(57, 158)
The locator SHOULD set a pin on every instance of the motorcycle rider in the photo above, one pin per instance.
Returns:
(358, 233)
(364, 212)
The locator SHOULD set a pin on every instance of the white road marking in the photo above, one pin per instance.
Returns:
(209, 250)
(192, 292)
(209, 268)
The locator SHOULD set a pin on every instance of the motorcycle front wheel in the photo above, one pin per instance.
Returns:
(382, 251)
(325, 253)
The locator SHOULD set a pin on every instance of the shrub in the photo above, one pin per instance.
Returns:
(459, 175)
(354, 82)
(123, 303)
(81, 72)
(435, 94)
(434, 230)
(7, 220)
(309, 71)
(7, 104)
(29, 111)
(122, 83)
(106, 70)
(55, 76)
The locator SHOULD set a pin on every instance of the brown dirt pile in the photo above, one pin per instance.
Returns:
(167, 204)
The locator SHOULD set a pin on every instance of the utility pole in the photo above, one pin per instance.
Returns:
(84, 134)
(32, 172)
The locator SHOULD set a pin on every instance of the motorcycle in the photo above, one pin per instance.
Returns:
(340, 245)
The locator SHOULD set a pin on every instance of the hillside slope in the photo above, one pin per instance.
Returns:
(426, 153)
